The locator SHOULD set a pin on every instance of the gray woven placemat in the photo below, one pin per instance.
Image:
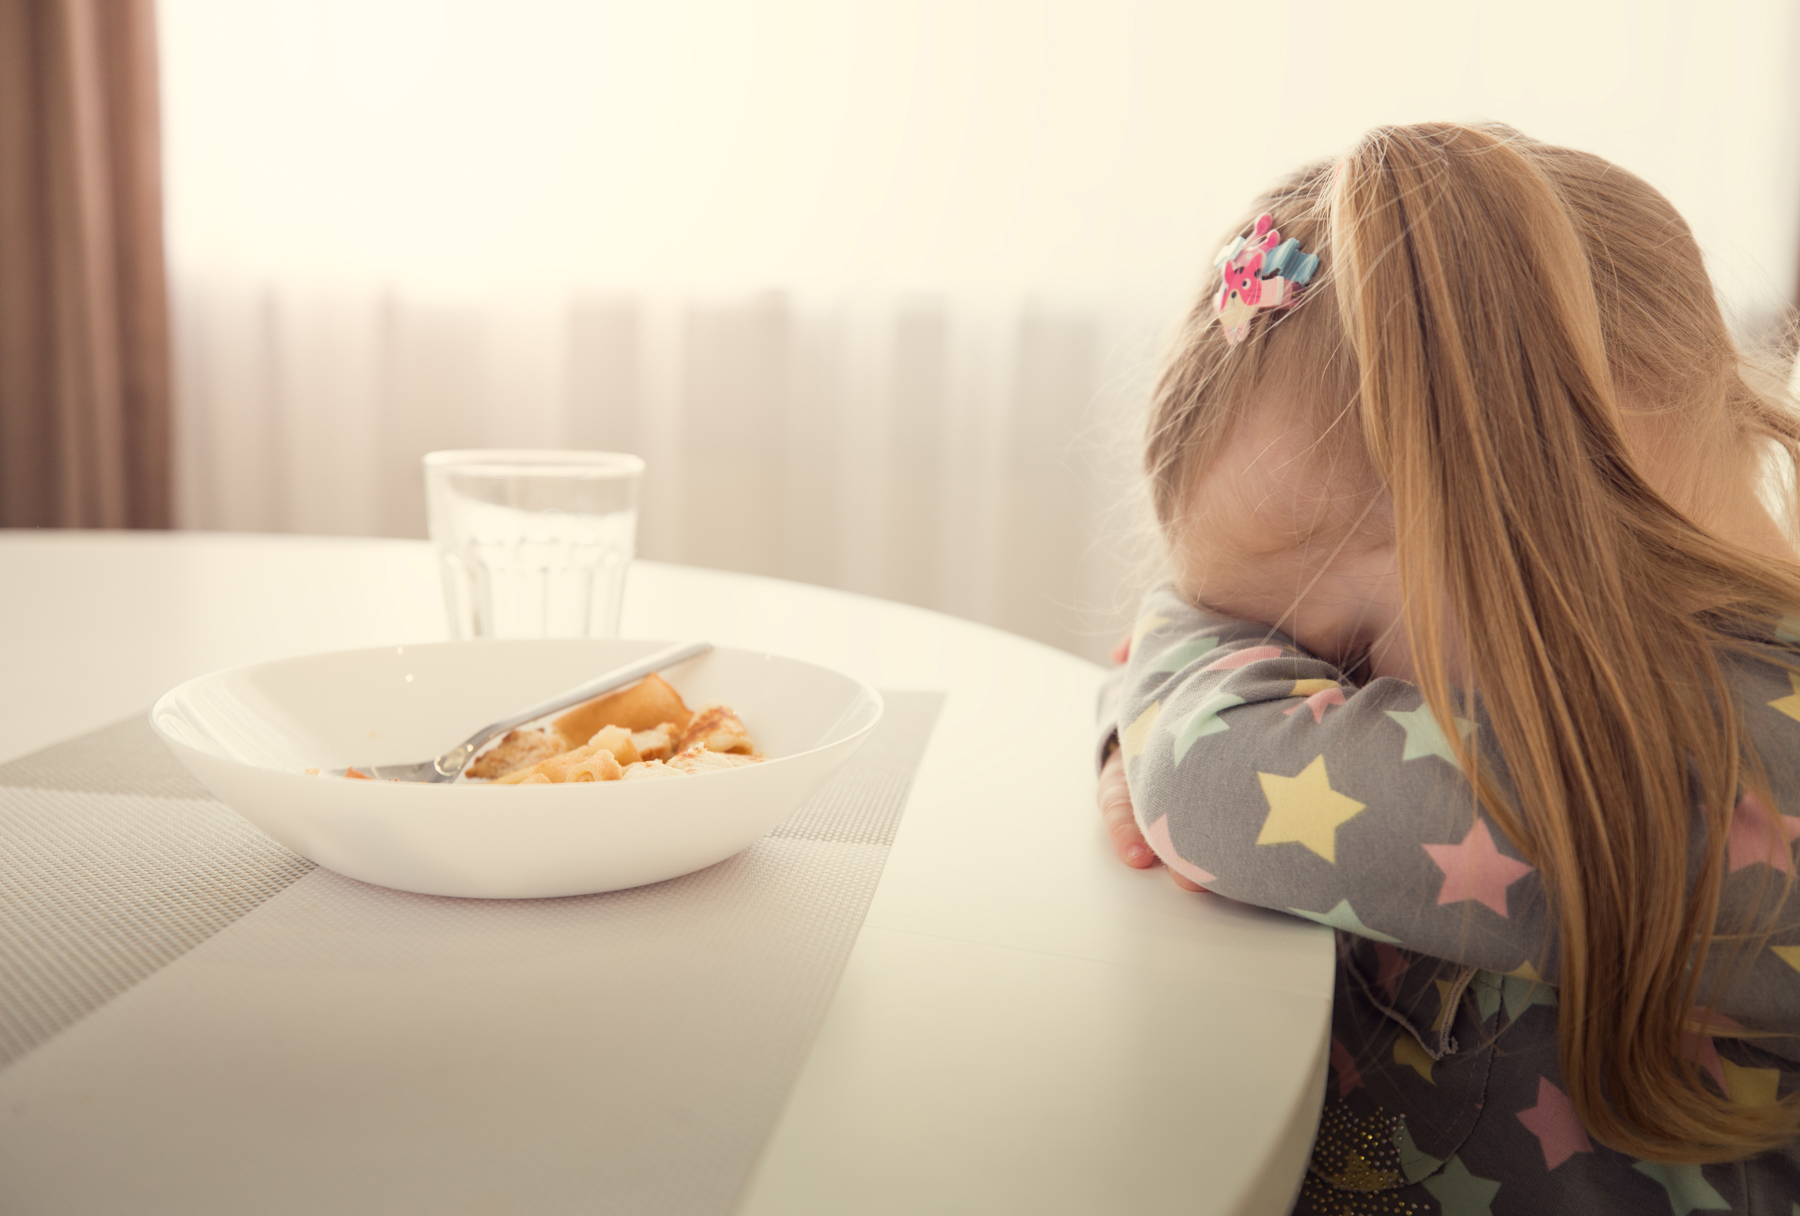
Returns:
(117, 861)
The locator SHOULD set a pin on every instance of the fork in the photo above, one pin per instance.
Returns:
(450, 765)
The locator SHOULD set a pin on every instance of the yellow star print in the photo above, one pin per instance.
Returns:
(1144, 625)
(1790, 704)
(1306, 688)
(1789, 955)
(1525, 971)
(1408, 1052)
(1752, 1086)
(1445, 1006)
(1134, 737)
(1304, 809)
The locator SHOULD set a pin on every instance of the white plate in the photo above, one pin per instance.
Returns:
(249, 733)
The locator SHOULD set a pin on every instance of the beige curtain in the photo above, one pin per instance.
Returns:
(84, 344)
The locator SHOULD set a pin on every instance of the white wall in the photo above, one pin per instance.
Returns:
(396, 224)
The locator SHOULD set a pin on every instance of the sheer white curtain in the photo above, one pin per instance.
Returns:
(875, 289)
(960, 457)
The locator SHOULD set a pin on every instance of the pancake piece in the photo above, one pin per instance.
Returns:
(658, 744)
(599, 767)
(643, 706)
(617, 740)
(716, 727)
(517, 749)
(649, 770)
(697, 759)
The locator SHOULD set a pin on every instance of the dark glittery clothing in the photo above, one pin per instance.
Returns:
(1265, 775)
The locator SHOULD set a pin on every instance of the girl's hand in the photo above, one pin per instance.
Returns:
(1121, 826)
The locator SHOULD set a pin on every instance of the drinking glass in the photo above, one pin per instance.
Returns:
(533, 544)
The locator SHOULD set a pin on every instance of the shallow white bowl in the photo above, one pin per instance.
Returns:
(249, 734)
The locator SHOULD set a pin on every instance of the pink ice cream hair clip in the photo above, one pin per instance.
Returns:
(1259, 271)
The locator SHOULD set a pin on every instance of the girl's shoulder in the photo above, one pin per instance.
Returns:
(1762, 665)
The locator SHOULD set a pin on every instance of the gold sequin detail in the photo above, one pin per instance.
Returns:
(1355, 1166)
(1359, 1175)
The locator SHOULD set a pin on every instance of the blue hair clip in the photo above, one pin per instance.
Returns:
(1292, 265)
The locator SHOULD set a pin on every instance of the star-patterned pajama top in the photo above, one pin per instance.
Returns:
(1263, 774)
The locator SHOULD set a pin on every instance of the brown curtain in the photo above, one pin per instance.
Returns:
(84, 333)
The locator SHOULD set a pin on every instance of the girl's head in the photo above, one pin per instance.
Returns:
(1505, 442)
(1269, 445)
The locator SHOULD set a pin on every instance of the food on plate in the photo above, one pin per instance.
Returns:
(696, 759)
(600, 759)
(649, 770)
(640, 733)
(656, 744)
(646, 705)
(516, 749)
(715, 725)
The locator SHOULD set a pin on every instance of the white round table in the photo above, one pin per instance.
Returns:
(1024, 1025)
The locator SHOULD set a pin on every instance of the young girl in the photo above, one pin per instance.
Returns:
(1478, 651)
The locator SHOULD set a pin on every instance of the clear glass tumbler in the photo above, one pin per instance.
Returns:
(533, 544)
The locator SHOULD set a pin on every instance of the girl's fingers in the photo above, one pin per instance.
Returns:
(1121, 825)
(1115, 813)
(1186, 884)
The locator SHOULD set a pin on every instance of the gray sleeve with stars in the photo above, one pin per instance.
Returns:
(1260, 772)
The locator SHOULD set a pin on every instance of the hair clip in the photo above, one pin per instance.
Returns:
(1269, 276)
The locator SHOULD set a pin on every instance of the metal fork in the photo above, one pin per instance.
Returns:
(450, 765)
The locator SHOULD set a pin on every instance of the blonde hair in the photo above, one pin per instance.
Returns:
(1485, 302)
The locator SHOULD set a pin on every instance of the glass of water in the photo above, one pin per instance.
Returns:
(533, 544)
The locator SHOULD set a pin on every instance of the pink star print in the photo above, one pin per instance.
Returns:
(1319, 702)
(1158, 836)
(1554, 1123)
(1476, 870)
(1345, 1068)
(1391, 965)
(1243, 658)
(1752, 839)
(1707, 1057)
